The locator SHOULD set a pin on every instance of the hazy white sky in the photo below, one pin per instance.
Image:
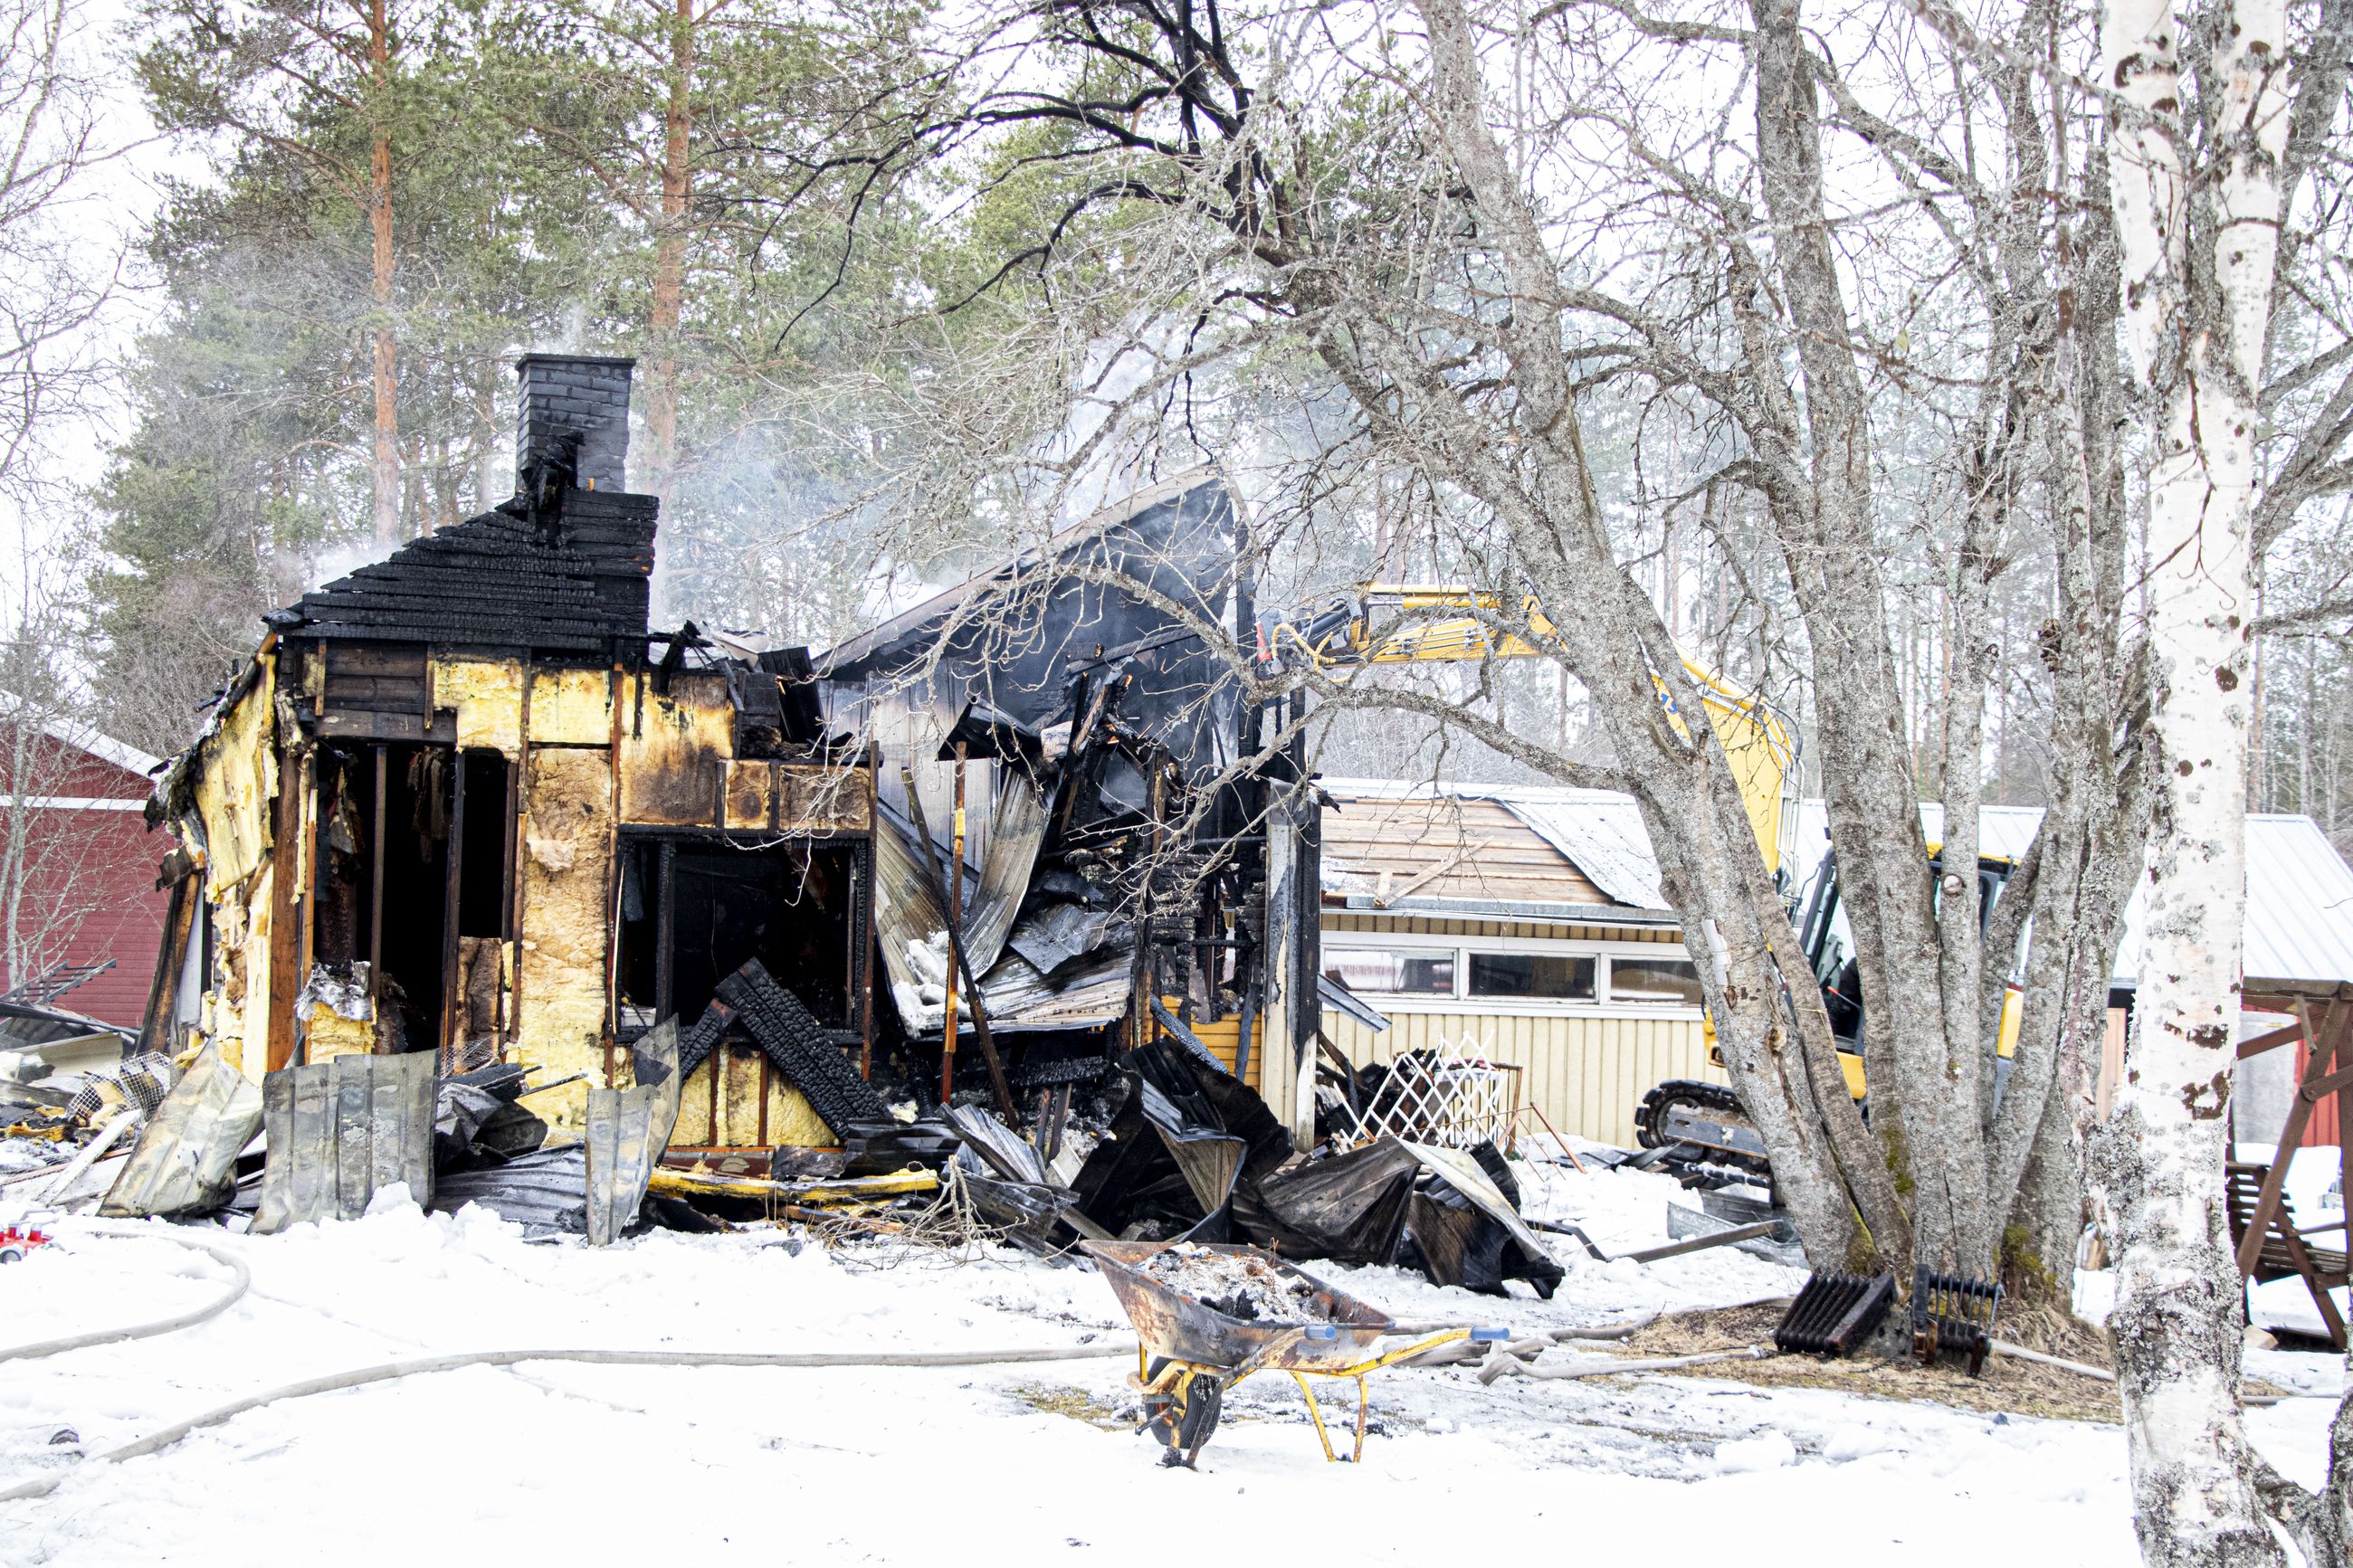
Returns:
(111, 206)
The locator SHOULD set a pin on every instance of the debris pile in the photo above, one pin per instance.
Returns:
(1236, 1283)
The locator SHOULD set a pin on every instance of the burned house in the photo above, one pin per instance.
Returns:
(467, 800)
(1020, 863)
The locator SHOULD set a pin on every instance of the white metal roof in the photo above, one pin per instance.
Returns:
(2299, 889)
(2299, 905)
(83, 738)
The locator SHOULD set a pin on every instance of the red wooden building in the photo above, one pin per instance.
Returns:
(73, 822)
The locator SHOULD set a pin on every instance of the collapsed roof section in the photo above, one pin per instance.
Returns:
(1095, 598)
(1120, 871)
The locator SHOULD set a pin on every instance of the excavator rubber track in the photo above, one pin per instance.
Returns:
(1704, 1125)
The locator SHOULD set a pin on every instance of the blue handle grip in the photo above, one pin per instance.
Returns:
(1490, 1336)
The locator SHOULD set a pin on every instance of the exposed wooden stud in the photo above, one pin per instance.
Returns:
(454, 868)
(375, 890)
(172, 962)
(665, 932)
(285, 893)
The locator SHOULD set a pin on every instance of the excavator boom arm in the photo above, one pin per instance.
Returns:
(1760, 744)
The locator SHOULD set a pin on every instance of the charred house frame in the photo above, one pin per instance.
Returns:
(467, 800)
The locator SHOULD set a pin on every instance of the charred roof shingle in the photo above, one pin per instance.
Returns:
(576, 586)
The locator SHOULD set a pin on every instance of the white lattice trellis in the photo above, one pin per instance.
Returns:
(1448, 1095)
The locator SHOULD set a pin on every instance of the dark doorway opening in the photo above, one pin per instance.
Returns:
(381, 880)
(485, 868)
(695, 908)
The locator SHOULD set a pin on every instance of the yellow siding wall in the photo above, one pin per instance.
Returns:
(1224, 1040)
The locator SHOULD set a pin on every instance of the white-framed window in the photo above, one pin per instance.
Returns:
(1427, 972)
(1391, 971)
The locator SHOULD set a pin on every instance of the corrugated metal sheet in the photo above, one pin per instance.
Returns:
(2299, 889)
(1602, 833)
(340, 1130)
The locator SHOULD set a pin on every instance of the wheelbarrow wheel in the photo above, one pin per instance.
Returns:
(1184, 1416)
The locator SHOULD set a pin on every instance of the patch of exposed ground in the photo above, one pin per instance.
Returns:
(1080, 1406)
(2010, 1386)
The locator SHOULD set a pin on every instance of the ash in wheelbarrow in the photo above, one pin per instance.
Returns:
(1206, 1316)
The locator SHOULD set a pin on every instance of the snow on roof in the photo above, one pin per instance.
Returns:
(2299, 889)
(83, 738)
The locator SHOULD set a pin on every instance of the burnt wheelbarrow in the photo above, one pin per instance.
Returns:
(1209, 1315)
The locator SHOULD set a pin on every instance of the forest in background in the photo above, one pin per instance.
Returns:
(436, 187)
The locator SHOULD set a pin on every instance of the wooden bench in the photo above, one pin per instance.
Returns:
(2285, 1253)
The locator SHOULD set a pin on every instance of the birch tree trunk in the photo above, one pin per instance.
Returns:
(2194, 328)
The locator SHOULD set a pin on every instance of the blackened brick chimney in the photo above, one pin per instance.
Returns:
(574, 411)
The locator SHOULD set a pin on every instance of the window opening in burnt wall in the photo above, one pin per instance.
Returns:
(696, 908)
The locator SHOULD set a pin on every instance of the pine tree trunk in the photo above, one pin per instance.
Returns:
(2196, 341)
(388, 431)
(669, 257)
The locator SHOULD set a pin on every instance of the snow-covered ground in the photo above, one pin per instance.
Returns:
(548, 1462)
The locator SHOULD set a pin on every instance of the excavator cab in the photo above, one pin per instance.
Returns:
(1828, 943)
(1704, 1121)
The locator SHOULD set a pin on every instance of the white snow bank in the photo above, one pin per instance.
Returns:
(548, 1462)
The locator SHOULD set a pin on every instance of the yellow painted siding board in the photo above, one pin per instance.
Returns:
(751, 794)
(674, 751)
(1224, 1036)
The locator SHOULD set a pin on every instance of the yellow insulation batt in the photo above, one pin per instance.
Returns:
(488, 696)
(571, 708)
(330, 1034)
(253, 1057)
(790, 1121)
(560, 986)
(235, 779)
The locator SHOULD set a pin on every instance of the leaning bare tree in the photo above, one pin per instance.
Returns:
(1393, 218)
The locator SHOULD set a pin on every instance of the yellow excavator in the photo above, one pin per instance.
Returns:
(1702, 1122)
